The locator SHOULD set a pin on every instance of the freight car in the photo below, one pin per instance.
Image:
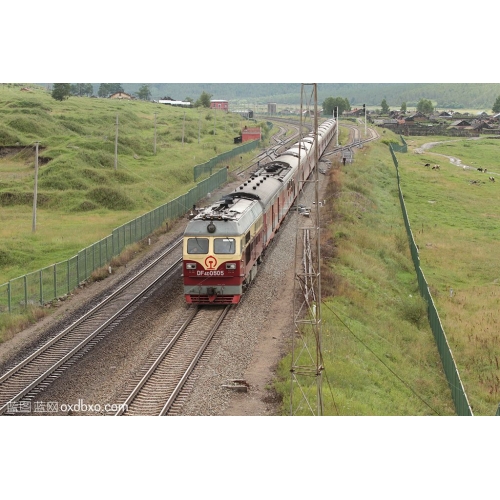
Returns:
(224, 243)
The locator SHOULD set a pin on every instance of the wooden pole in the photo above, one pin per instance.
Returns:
(35, 191)
(155, 136)
(116, 144)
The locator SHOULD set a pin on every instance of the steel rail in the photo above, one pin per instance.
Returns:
(61, 336)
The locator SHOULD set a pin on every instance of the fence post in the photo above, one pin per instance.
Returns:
(55, 281)
(41, 287)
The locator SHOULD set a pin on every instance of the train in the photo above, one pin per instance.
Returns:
(224, 243)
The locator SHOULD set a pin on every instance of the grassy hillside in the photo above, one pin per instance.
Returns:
(81, 195)
(379, 353)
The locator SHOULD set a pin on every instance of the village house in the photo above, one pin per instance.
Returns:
(219, 104)
(460, 124)
(120, 95)
(416, 117)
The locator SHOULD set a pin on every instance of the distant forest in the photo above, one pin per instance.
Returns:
(453, 96)
(443, 95)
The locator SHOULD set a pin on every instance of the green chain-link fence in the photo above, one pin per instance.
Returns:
(462, 406)
(45, 285)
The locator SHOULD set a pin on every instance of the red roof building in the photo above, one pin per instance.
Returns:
(219, 104)
(250, 134)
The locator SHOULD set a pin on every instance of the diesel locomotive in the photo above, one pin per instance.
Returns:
(224, 243)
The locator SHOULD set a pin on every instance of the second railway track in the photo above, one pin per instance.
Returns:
(22, 382)
(157, 391)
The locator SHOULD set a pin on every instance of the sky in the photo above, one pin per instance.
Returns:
(384, 42)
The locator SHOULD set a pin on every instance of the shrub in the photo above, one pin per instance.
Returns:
(110, 198)
(401, 241)
(85, 206)
(413, 309)
(7, 138)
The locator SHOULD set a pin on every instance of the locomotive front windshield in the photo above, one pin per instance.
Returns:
(224, 245)
(197, 245)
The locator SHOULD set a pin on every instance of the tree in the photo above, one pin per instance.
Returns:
(403, 107)
(144, 93)
(425, 106)
(103, 90)
(331, 103)
(82, 89)
(61, 91)
(106, 89)
(496, 106)
(203, 100)
(385, 107)
(115, 87)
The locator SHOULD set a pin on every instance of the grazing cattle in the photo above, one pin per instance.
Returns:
(485, 170)
(427, 165)
(492, 179)
(435, 167)
(480, 169)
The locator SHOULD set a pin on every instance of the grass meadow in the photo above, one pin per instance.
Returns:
(378, 351)
(379, 354)
(81, 195)
(455, 218)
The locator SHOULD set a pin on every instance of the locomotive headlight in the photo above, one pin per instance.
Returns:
(191, 265)
(231, 265)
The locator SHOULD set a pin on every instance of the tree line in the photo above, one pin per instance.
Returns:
(62, 91)
(333, 104)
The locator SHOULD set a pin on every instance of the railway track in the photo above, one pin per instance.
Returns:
(356, 141)
(280, 145)
(23, 382)
(160, 390)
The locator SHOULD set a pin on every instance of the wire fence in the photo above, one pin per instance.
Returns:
(211, 164)
(462, 406)
(43, 286)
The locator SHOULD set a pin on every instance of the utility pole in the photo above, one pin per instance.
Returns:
(364, 109)
(35, 191)
(116, 143)
(337, 126)
(183, 127)
(154, 149)
(199, 125)
(306, 338)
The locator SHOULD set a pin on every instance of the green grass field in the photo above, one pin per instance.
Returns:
(379, 353)
(455, 219)
(81, 195)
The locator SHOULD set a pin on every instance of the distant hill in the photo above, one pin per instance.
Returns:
(443, 95)
(454, 96)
